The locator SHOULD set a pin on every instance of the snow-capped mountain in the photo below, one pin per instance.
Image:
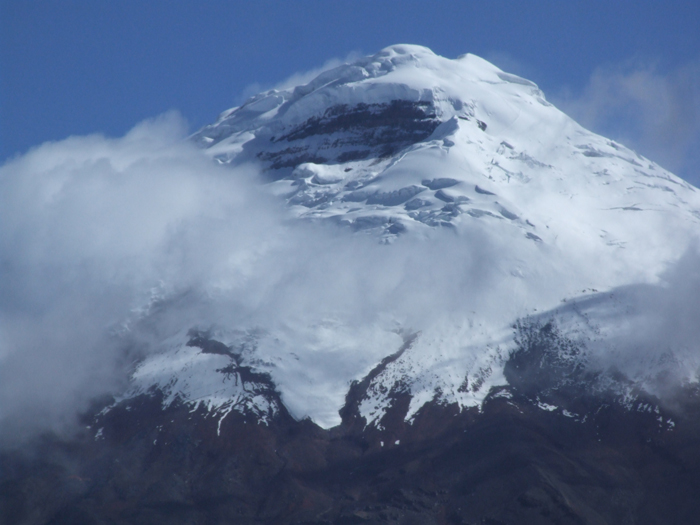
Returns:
(515, 348)
(406, 144)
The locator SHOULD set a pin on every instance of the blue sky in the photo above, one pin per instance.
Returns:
(627, 69)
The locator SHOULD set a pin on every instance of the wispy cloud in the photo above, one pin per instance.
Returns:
(651, 332)
(90, 225)
(653, 111)
(300, 78)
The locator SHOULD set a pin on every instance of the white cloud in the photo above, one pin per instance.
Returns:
(90, 225)
(654, 335)
(93, 228)
(655, 112)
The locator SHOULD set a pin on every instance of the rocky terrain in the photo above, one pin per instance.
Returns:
(542, 450)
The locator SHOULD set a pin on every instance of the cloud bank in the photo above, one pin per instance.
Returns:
(657, 113)
(90, 225)
(655, 337)
(100, 233)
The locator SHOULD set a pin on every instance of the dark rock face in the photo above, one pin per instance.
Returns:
(589, 460)
(511, 464)
(372, 120)
(343, 134)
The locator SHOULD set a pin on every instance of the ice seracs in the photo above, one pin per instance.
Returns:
(408, 144)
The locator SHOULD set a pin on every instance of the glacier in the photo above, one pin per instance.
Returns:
(432, 159)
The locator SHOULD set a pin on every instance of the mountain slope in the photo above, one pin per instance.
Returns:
(489, 325)
(456, 157)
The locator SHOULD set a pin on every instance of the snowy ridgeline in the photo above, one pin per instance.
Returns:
(463, 160)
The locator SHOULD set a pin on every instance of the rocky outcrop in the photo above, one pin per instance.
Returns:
(546, 449)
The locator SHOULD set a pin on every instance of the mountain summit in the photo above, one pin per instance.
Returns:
(499, 357)
(407, 141)
(404, 145)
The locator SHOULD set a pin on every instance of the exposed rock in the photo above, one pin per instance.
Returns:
(549, 448)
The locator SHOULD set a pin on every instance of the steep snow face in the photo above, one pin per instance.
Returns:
(408, 143)
(407, 140)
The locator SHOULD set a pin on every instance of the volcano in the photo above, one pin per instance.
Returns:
(532, 394)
